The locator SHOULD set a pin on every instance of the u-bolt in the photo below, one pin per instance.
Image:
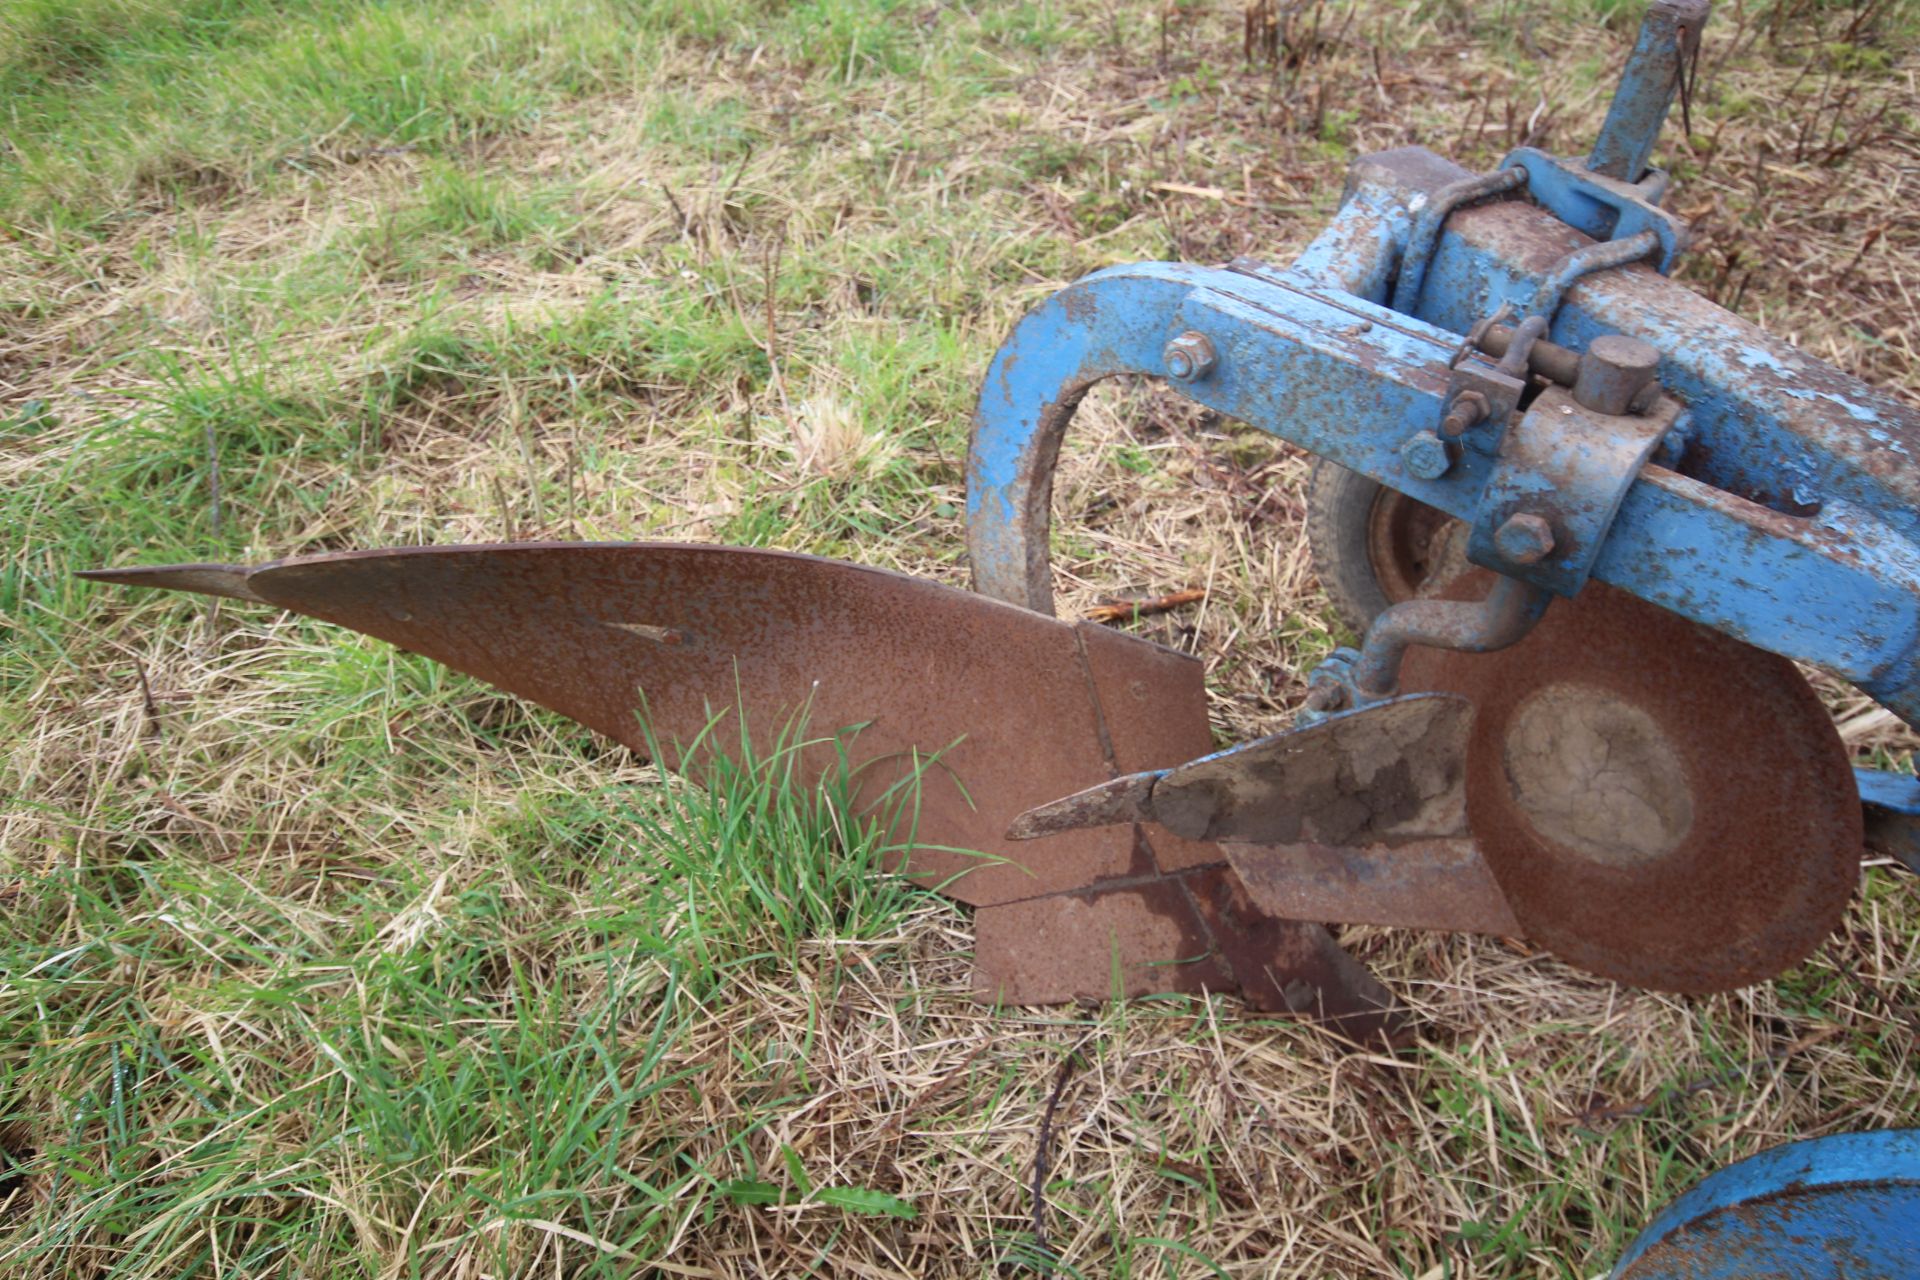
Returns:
(1427, 224)
(1603, 256)
(1520, 346)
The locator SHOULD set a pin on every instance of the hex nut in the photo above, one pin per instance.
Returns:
(1426, 456)
(1524, 539)
(1329, 695)
(1189, 357)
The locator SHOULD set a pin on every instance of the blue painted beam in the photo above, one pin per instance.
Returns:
(1348, 379)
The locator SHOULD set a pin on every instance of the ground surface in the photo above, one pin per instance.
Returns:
(320, 961)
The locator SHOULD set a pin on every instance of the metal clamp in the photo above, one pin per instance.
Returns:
(1560, 477)
(1517, 361)
(1476, 338)
(1477, 393)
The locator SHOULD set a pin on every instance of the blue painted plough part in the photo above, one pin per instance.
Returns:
(1845, 1207)
(1510, 350)
(1753, 489)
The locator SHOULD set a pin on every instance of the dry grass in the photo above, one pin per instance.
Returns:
(737, 282)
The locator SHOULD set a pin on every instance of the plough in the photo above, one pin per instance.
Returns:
(1587, 521)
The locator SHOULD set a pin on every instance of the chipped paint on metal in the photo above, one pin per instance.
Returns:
(1668, 42)
(1841, 1207)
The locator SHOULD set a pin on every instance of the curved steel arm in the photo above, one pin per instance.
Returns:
(1332, 373)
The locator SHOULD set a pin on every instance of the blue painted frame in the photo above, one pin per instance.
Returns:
(1347, 378)
(1789, 516)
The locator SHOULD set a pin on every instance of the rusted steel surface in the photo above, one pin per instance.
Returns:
(1606, 255)
(1152, 704)
(226, 580)
(1126, 939)
(1386, 772)
(994, 707)
(1380, 774)
(1359, 818)
(1823, 1233)
(1287, 966)
(906, 671)
(1123, 799)
(1606, 790)
(1360, 252)
(1286, 350)
(691, 633)
(1189, 933)
(1616, 374)
(1606, 210)
(1440, 882)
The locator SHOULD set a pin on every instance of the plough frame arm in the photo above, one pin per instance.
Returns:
(1316, 356)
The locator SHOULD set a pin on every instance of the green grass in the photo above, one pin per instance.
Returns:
(331, 962)
(517, 1030)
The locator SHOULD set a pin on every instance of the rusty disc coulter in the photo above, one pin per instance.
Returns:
(1604, 790)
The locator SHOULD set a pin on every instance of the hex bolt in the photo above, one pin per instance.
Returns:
(1615, 372)
(1426, 456)
(1468, 408)
(1524, 539)
(1189, 357)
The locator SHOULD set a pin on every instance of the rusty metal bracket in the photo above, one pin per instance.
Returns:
(1561, 475)
(1600, 207)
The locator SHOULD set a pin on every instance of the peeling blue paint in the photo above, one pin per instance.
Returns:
(1841, 1207)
